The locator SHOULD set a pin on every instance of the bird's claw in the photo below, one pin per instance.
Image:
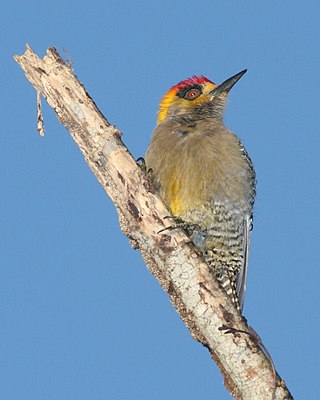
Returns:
(180, 224)
(230, 329)
(142, 163)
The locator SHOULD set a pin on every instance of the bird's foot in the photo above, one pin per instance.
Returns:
(142, 164)
(234, 331)
(180, 224)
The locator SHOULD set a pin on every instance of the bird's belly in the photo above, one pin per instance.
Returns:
(218, 231)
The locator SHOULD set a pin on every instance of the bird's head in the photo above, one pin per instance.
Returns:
(196, 97)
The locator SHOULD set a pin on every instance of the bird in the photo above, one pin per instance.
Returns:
(206, 178)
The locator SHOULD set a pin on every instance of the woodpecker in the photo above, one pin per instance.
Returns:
(206, 178)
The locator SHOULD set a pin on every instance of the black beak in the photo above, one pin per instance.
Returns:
(227, 85)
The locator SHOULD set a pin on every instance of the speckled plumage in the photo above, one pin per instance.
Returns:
(206, 178)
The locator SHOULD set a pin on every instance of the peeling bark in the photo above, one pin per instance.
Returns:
(170, 256)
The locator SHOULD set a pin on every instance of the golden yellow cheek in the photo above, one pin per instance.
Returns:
(170, 99)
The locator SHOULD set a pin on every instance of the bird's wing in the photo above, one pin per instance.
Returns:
(242, 276)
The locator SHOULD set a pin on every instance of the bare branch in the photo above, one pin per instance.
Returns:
(170, 256)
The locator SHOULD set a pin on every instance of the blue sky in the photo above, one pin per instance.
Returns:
(81, 316)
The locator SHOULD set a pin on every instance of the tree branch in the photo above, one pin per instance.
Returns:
(170, 256)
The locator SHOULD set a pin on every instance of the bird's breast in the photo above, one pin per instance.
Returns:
(200, 167)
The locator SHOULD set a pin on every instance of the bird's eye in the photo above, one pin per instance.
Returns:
(192, 94)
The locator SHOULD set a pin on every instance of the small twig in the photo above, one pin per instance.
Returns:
(69, 61)
(40, 124)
